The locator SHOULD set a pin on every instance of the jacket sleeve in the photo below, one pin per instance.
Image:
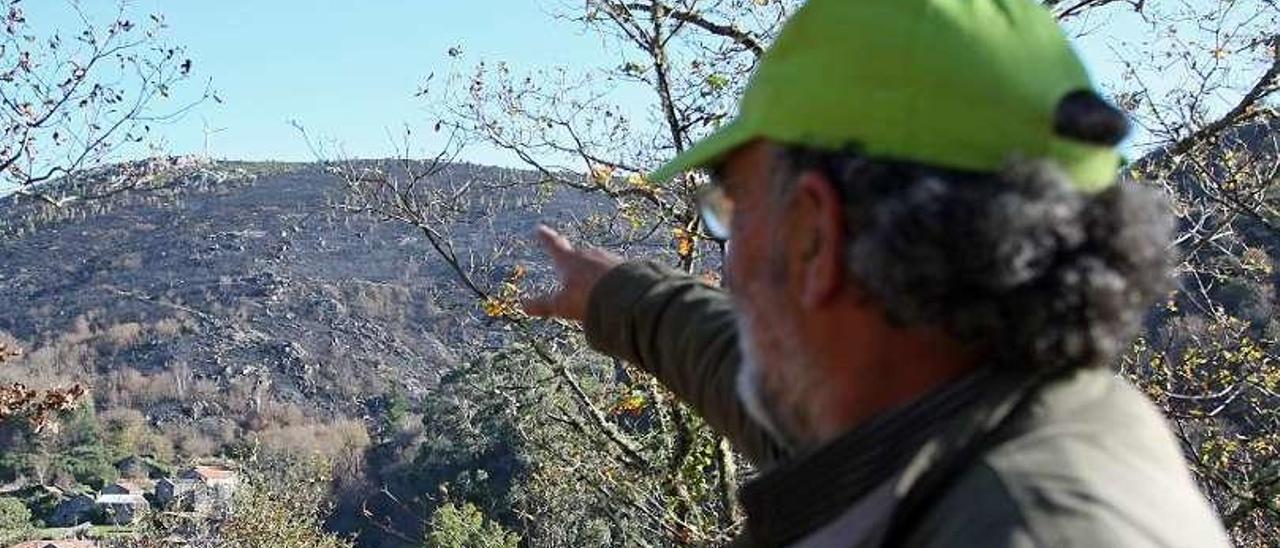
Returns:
(683, 332)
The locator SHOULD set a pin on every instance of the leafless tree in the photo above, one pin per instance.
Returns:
(73, 99)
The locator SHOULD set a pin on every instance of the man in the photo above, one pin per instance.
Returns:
(930, 266)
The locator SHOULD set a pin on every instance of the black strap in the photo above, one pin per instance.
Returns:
(940, 478)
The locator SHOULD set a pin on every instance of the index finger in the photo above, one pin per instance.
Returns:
(555, 244)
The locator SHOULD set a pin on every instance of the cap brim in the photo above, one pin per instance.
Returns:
(704, 153)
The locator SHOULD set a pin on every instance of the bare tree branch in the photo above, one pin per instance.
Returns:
(739, 36)
(1249, 107)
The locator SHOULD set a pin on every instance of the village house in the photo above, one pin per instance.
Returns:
(72, 511)
(124, 488)
(177, 493)
(199, 489)
(121, 509)
(218, 478)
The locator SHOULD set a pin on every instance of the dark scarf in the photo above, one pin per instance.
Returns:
(800, 495)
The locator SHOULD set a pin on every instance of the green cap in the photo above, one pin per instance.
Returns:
(960, 84)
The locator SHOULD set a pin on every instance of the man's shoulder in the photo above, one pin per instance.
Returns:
(1093, 463)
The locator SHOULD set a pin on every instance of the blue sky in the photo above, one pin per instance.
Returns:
(348, 69)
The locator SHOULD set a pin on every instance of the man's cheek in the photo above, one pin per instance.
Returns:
(735, 267)
(726, 268)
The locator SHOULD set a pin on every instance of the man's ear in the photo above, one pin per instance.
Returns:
(820, 240)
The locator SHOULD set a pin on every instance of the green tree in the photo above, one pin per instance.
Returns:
(15, 521)
(396, 409)
(66, 452)
(454, 526)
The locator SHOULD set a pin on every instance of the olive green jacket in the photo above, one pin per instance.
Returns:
(1088, 461)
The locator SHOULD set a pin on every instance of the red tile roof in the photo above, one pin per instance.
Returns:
(212, 473)
(56, 544)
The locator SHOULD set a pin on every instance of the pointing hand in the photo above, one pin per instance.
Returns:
(578, 270)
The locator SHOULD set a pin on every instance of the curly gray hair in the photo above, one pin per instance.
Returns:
(1020, 263)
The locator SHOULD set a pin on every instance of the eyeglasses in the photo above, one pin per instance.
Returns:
(716, 209)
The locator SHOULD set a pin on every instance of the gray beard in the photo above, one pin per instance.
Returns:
(751, 390)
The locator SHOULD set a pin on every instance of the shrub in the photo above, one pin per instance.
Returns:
(58, 360)
(126, 432)
(168, 328)
(333, 440)
(131, 388)
(378, 301)
(195, 444)
(123, 335)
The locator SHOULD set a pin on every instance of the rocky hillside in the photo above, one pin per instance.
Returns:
(236, 298)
